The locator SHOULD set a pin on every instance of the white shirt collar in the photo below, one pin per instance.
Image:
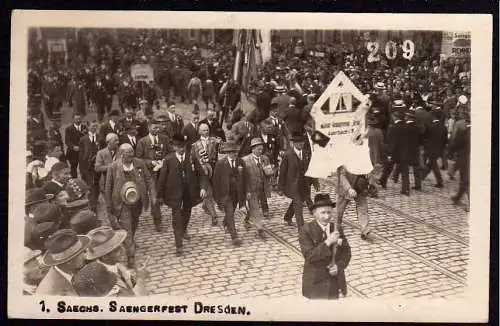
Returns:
(58, 183)
(91, 135)
(298, 152)
(325, 228)
(180, 157)
(112, 124)
(153, 138)
(64, 274)
(131, 137)
(110, 268)
(128, 168)
(264, 137)
(78, 127)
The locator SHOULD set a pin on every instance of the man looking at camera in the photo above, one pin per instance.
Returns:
(321, 240)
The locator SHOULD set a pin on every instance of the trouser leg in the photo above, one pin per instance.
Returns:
(177, 225)
(229, 208)
(405, 178)
(362, 212)
(255, 211)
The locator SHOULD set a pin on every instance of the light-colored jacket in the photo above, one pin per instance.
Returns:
(55, 284)
(103, 160)
(255, 179)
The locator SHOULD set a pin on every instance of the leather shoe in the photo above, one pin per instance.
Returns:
(289, 223)
(247, 225)
(266, 214)
(262, 235)
(214, 221)
(438, 185)
(187, 237)
(367, 237)
(237, 242)
(158, 228)
(417, 188)
(178, 252)
(407, 193)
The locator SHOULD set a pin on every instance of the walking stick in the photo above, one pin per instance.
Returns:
(335, 245)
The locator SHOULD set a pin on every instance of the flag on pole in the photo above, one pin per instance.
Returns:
(265, 45)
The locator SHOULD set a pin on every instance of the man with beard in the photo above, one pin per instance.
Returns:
(182, 184)
(129, 189)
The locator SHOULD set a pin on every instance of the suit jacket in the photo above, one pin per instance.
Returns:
(115, 178)
(255, 180)
(87, 154)
(291, 176)
(228, 180)
(317, 283)
(173, 127)
(460, 144)
(51, 187)
(105, 129)
(125, 140)
(375, 144)
(436, 138)
(190, 133)
(214, 129)
(212, 150)
(102, 162)
(171, 186)
(55, 284)
(244, 129)
(72, 138)
(413, 141)
(397, 146)
(146, 151)
(272, 147)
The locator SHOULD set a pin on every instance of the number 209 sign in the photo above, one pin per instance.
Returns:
(391, 50)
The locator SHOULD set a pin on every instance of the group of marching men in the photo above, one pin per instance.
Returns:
(139, 165)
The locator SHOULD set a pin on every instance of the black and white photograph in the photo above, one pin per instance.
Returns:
(239, 166)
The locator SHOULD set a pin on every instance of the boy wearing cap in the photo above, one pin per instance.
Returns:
(326, 253)
(65, 255)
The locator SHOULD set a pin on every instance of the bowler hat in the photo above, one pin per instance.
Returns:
(256, 142)
(104, 240)
(93, 280)
(321, 200)
(129, 193)
(178, 140)
(84, 221)
(64, 245)
(36, 196)
(398, 104)
(280, 89)
(46, 212)
(380, 85)
(40, 233)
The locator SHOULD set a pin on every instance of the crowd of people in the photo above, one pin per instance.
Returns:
(86, 191)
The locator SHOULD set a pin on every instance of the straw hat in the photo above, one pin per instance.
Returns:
(129, 193)
(93, 280)
(104, 240)
(63, 246)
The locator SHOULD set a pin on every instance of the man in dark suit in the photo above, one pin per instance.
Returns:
(397, 151)
(230, 190)
(291, 179)
(173, 123)
(56, 136)
(88, 148)
(413, 139)
(460, 144)
(323, 276)
(112, 126)
(72, 136)
(182, 184)
(215, 129)
(190, 131)
(152, 149)
(436, 139)
(130, 135)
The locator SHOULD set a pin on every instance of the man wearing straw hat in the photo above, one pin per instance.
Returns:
(129, 189)
(106, 248)
(65, 255)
